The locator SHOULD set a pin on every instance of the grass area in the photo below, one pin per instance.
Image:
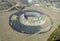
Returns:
(55, 36)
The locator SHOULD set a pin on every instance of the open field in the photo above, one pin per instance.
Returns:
(55, 36)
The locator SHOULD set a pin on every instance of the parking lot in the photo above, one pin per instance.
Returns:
(9, 34)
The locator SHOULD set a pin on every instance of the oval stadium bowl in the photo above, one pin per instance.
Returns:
(30, 22)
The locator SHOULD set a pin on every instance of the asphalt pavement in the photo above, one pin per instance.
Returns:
(9, 34)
